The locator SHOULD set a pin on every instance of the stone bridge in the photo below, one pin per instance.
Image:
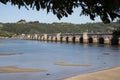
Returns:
(85, 38)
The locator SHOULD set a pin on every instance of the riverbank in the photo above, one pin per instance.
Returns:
(109, 74)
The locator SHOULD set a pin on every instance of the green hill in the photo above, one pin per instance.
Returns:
(8, 29)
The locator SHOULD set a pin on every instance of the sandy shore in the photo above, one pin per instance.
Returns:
(109, 74)
(69, 64)
(13, 69)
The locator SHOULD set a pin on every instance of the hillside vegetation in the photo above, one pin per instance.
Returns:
(9, 29)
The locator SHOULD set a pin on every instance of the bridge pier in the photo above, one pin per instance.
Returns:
(58, 37)
(42, 38)
(77, 39)
(32, 37)
(45, 37)
(85, 37)
(35, 37)
(95, 40)
(64, 39)
(38, 37)
(28, 36)
(70, 38)
(107, 40)
(119, 41)
(49, 38)
(55, 38)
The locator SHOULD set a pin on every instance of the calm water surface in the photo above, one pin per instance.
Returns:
(44, 55)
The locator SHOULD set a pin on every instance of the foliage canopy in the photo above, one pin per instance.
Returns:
(108, 10)
(116, 33)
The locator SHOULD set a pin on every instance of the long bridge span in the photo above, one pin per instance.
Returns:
(86, 38)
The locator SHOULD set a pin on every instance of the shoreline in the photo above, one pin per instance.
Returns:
(107, 74)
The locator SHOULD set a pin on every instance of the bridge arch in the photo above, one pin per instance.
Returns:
(101, 40)
(90, 40)
(81, 39)
(48, 38)
(73, 39)
(76, 38)
(55, 39)
(115, 41)
(51, 38)
(61, 39)
(67, 39)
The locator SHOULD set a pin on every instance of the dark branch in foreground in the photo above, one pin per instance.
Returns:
(107, 10)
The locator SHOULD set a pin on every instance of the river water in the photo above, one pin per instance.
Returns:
(44, 55)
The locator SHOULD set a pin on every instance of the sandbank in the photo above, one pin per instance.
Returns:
(10, 54)
(68, 64)
(116, 52)
(108, 53)
(2, 43)
(109, 74)
(13, 69)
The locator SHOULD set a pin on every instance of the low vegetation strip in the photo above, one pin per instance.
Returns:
(10, 29)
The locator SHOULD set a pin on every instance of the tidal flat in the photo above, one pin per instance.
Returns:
(13, 69)
(10, 54)
(71, 64)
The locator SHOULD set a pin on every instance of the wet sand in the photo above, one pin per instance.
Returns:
(10, 54)
(13, 69)
(116, 52)
(67, 64)
(109, 74)
(2, 43)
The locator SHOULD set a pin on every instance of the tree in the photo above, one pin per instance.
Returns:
(108, 10)
(22, 21)
(116, 33)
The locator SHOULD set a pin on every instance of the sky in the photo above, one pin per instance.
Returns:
(11, 14)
